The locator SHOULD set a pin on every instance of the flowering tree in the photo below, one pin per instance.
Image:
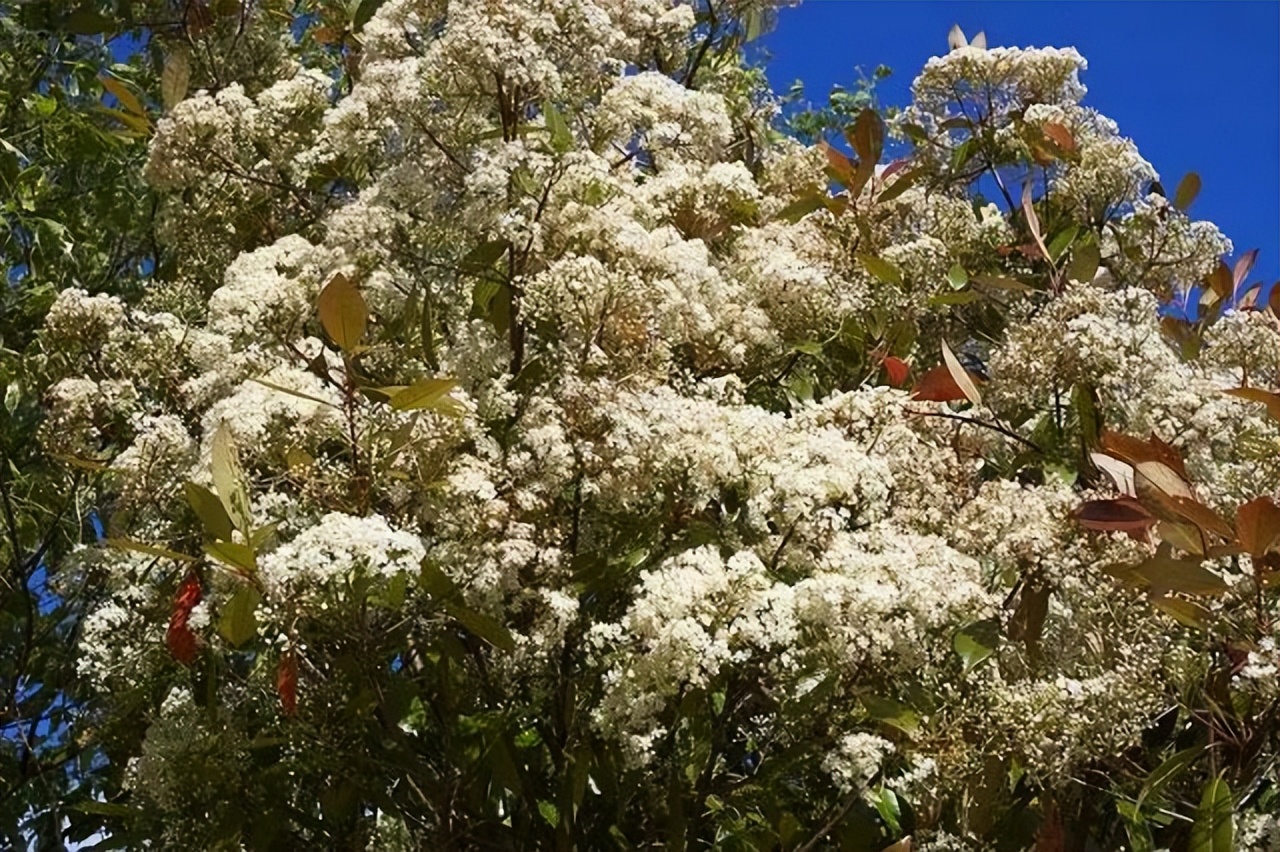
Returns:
(528, 447)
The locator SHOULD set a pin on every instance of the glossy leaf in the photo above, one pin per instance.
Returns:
(210, 510)
(1214, 826)
(425, 394)
(896, 370)
(229, 479)
(976, 642)
(883, 269)
(239, 621)
(1123, 514)
(960, 375)
(343, 312)
(1188, 189)
(1258, 525)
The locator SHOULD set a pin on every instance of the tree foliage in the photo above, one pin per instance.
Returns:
(505, 437)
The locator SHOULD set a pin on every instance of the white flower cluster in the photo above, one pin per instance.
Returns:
(339, 548)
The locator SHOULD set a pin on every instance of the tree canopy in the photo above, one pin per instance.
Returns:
(483, 425)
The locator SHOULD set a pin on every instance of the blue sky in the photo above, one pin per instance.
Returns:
(1195, 84)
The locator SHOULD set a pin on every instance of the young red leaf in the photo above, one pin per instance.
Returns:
(182, 642)
(1124, 514)
(1060, 136)
(897, 370)
(287, 682)
(937, 385)
(1258, 525)
(1244, 265)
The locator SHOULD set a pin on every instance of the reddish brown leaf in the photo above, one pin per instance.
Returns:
(1202, 516)
(1244, 265)
(1060, 136)
(1267, 398)
(287, 683)
(182, 642)
(1219, 281)
(1123, 514)
(897, 370)
(1135, 451)
(937, 385)
(1258, 525)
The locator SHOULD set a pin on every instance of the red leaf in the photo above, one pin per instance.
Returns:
(1123, 514)
(287, 683)
(1258, 525)
(1243, 266)
(1135, 451)
(1061, 136)
(182, 642)
(897, 370)
(937, 385)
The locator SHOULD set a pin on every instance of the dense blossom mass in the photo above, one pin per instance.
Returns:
(537, 449)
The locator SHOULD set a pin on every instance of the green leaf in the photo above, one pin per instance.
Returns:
(977, 641)
(892, 713)
(364, 12)
(148, 549)
(957, 277)
(239, 621)
(1168, 771)
(483, 626)
(1062, 241)
(1214, 828)
(425, 394)
(176, 76)
(236, 555)
(483, 256)
(1188, 189)
(229, 479)
(881, 268)
(890, 810)
(438, 584)
(901, 183)
(549, 812)
(343, 312)
(797, 210)
(1085, 258)
(209, 509)
(127, 98)
(561, 135)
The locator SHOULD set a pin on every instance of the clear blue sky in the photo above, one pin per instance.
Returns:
(1195, 84)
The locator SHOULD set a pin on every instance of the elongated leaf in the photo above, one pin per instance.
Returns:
(343, 312)
(937, 385)
(148, 549)
(209, 509)
(176, 76)
(1188, 189)
(425, 393)
(292, 392)
(892, 713)
(234, 555)
(1003, 282)
(1059, 135)
(1267, 398)
(1085, 258)
(797, 210)
(127, 98)
(1168, 772)
(229, 479)
(1186, 576)
(900, 184)
(1187, 613)
(561, 135)
(960, 375)
(1033, 221)
(1123, 514)
(956, 39)
(883, 269)
(239, 621)
(867, 137)
(976, 642)
(1258, 525)
(483, 626)
(1062, 241)
(1214, 828)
